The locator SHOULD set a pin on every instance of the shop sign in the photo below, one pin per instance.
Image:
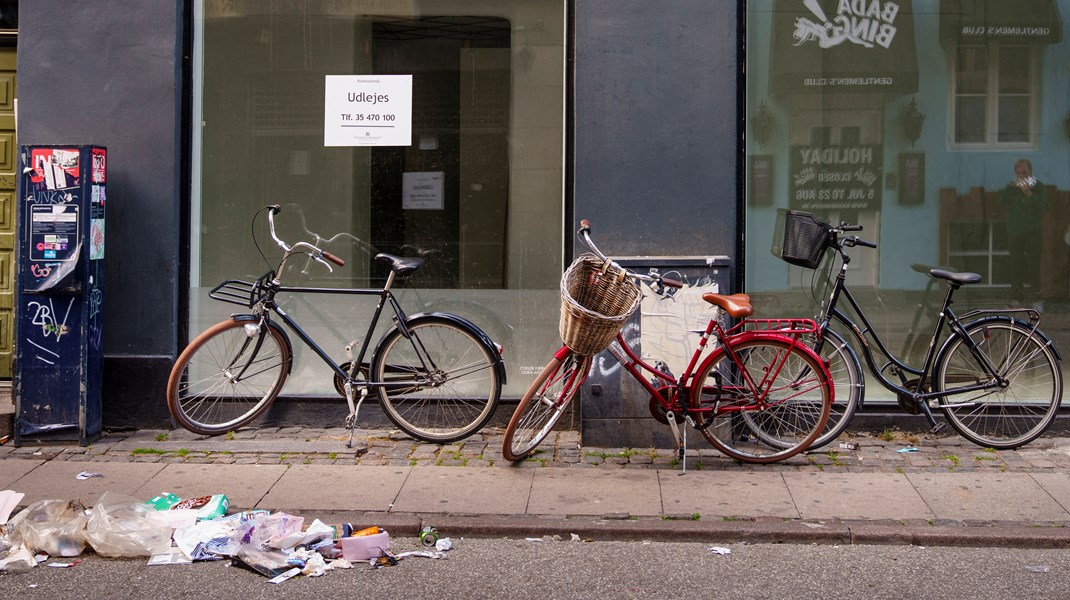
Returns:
(367, 110)
(422, 190)
(835, 177)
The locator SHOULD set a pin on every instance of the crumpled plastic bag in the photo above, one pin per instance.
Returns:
(15, 558)
(123, 526)
(55, 527)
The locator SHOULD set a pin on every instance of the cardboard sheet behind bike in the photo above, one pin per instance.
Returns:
(60, 278)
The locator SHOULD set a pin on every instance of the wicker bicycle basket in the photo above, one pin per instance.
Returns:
(804, 238)
(595, 303)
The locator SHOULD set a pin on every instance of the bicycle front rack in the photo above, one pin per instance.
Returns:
(240, 292)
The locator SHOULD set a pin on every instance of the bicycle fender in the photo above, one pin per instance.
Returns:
(999, 319)
(243, 318)
(484, 339)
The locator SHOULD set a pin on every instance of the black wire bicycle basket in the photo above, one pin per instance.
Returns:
(800, 238)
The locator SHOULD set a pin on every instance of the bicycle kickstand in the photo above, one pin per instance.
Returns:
(934, 426)
(681, 441)
(351, 420)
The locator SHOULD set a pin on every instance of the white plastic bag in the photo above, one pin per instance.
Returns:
(55, 527)
(123, 526)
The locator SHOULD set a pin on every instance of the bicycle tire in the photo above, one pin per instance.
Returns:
(443, 382)
(848, 383)
(543, 404)
(224, 379)
(1019, 412)
(794, 412)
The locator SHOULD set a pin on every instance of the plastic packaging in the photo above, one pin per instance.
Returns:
(56, 527)
(123, 526)
(365, 547)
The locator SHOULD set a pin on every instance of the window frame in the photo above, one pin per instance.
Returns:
(992, 98)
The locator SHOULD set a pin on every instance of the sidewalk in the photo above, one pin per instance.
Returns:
(947, 492)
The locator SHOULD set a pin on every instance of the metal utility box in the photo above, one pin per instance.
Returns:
(615, 409)
(60, 290)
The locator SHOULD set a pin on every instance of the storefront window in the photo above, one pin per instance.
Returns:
(910, 119)
(477, 191)
(994, 96)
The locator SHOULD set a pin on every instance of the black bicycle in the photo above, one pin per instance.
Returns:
(437, 376)
(996, 376)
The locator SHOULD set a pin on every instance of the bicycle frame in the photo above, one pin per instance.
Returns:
(681, 397)
(385, 297)
(946, 316)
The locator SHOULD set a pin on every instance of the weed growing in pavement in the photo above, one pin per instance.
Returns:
(989, 450)
(887, 435)
(332, 455)
(834, 456)
(182, 452)
(137, 451)
(230, 435)
(979, 457)
(695, 516)
(951, 457)
(161, 437)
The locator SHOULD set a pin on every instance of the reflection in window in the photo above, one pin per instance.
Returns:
(980, 247)
(994, 96)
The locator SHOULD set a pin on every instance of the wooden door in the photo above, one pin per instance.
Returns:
(8, 154)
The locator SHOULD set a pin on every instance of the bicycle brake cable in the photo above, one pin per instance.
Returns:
(252, 232)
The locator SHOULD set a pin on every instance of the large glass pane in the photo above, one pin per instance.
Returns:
(477, 191)
(1014, 119)
(1015, 70)
(930, 156)
(971, 70)
(970, 119)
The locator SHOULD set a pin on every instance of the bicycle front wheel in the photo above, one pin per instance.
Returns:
(847, 381)
(543, 404)
(441, 383)
(770, 406)
(1007, 416)
(228, 376)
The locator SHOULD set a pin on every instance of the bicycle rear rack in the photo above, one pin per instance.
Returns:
(788, 327)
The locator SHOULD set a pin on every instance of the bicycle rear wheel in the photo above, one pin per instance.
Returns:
(777, 417)
(1003, 417)
(442, 381)
(228, 376)
(543, 404)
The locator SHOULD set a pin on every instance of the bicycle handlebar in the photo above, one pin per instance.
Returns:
(584, 234)
(316, 253)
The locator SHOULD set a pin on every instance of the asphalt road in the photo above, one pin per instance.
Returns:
(518, 568)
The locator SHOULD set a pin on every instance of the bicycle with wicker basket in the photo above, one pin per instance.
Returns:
(761, 395)
(996, 377)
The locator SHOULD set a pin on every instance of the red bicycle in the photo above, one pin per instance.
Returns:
(761, 395)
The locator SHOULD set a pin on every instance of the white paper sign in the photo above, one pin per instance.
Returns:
(422, 190)
(367, 110)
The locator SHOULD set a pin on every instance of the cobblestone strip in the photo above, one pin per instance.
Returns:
(295, 445)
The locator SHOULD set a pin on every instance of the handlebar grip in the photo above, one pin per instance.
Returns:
(585, 225)
(334, 259)
(849, 227)
(672, 283)
(866, 243)
(274, 208)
